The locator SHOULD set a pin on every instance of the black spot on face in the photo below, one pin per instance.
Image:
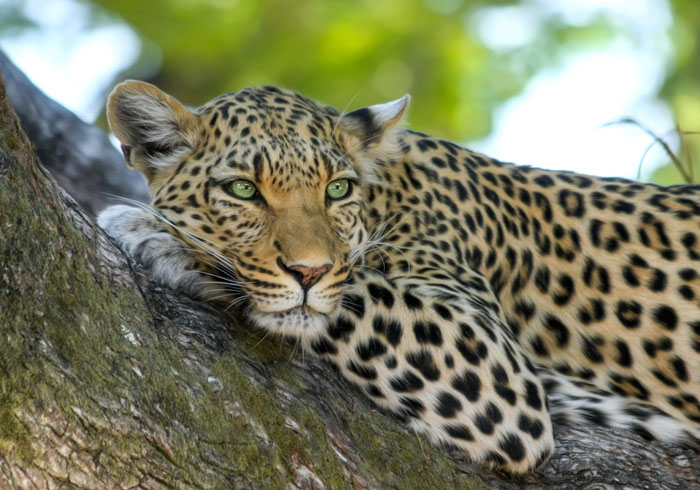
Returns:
(257, 166)
(468, 352)
(466, 331)
(493, 413)
(499, 374)
(425, 145)
(379, 325)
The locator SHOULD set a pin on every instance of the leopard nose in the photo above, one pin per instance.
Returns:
(305, 275)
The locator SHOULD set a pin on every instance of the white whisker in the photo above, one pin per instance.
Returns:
(343, 112)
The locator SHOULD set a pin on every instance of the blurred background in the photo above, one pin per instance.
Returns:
(583, 85)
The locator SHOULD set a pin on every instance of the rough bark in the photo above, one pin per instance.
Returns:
(107, 381)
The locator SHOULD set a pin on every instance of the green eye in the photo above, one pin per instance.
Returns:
(338, 189)
(244, 189)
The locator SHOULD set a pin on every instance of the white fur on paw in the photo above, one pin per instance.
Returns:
(146, 239)
(127, 223)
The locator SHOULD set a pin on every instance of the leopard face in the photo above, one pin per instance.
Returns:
(266, 188)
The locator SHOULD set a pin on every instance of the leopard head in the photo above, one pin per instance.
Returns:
(265, 188)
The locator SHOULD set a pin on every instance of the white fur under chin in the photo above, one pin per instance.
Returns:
(297, 322)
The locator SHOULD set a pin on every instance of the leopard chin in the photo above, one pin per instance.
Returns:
(302, 322)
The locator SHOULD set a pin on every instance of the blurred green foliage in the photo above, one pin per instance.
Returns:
(347, 54)
(361, 52)
(682, 90)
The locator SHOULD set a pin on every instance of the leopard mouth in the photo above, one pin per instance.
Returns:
(302, 308)
(300, 321)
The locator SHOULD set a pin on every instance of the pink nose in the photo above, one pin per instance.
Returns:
(306, 275)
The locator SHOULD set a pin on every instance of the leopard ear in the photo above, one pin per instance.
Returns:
(371, 124)
(155, 130)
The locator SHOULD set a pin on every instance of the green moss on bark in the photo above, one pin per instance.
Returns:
(67, 332)
(297, 438)
(399, 460)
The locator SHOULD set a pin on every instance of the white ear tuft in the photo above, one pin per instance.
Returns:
(389, 113)
(373, 135)
(154, 128)
(369, 124)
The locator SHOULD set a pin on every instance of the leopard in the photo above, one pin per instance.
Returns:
(476, 300)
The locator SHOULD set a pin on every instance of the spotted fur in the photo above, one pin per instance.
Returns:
(473, 298)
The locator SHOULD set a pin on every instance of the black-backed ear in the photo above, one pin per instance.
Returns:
(370, 124)
(154, 128)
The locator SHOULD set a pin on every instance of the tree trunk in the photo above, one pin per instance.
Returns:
(107, 381)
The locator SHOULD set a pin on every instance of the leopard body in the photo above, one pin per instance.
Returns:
(473, 298)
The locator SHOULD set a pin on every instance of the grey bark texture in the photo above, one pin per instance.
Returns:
(107, 381)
